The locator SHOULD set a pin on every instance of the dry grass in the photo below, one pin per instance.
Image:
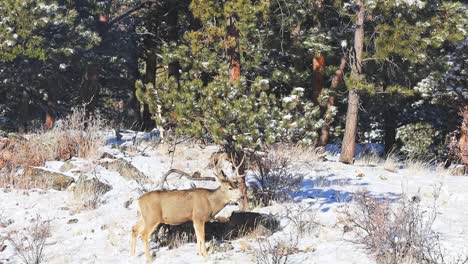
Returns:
(30, 242)
(419, 167)
(371, 159)
(298, 154)
(391, 163)
(77, 135)
(399, 233)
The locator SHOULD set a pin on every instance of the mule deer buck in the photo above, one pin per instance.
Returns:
(180, 206)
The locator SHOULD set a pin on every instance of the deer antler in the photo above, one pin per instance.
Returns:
(219, 173)
(236, 168)
(194, 177)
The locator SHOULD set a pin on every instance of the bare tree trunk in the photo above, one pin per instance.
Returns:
(390, 131)
(463, 143)
(234, 75)
(325, 131)
(317, 77)
(51, 113)
(173, 35)
(233, 50)
(89, 89)
(132, 107)
(150, 78)
(349, 139)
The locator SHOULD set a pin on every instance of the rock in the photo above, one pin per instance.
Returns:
(107, 155)
(360, 174)
(125, 168)
(72, 221)
(67, 166)
(46, 179)
(93, 185)
(382, 177)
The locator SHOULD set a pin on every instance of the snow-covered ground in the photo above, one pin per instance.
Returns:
(103, 235)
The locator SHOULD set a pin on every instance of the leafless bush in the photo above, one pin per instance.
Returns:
(398, 234)
(276, 251)
(77, 135)
(302, 217)
(274, 178)
(29, 243)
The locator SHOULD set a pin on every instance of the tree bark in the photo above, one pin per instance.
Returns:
(173, 36)
(463, 142)
(317, 77)
(132, 108)
(349, 139)
(89, 89)
(233, 50)
(51, 113)
(150, 78)
(325, 131)
(348, 145)
(390, 131)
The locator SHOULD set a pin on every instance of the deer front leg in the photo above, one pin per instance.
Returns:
(200, 233)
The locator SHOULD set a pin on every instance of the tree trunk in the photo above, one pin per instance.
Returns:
(348, 145)
(390, 131)
(173, 36)
(132, 108)
(51, 113)
(349, 140)
(325, 131)
(150, 78)
(233, 50)
(89, 89)
(317, 77)
(463, 143)
(23, 112)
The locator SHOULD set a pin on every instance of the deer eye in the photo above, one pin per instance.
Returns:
(230, 188)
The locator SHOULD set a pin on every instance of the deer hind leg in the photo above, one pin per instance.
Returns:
(200, 233)
(136, 230)
(145, 237)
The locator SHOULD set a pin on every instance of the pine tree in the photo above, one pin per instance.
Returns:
(241, 78)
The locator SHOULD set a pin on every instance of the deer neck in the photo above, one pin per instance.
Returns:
(218, 200)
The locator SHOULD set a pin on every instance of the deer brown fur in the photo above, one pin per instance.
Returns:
(180, 206)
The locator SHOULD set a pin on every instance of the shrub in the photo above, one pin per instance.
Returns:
(302, 217)
(276, 251)
(397, 234)
(416, 139)
(274, 179)
(30, 242)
